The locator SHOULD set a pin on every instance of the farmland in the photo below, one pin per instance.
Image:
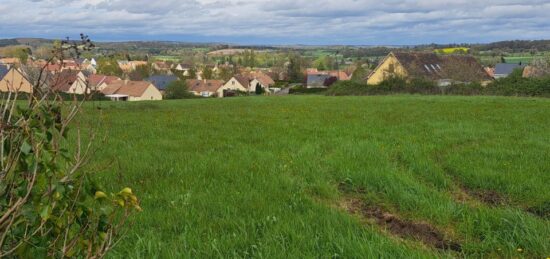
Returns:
(316, 176)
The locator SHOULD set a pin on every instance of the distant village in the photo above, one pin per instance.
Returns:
(80, 76)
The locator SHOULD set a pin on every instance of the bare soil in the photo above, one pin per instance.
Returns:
(424, 232)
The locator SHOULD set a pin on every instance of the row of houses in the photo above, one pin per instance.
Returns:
(249, 82)
(79, 82)
(82, 82)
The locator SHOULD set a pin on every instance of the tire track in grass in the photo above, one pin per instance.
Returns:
(491, 198)
(392, 223)
(396, 226)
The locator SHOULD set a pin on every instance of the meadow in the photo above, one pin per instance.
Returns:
(331, 177)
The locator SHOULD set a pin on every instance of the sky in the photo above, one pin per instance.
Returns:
(279, 22)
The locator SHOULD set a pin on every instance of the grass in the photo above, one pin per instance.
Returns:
(258, 177)
(521, 59)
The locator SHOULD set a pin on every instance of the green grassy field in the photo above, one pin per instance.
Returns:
(313, 176)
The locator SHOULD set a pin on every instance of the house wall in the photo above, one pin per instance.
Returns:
(382, 72)
(206, 94)
(101, 86)
(15, 82)
(232, 84)
(253, 85)
(151, 94)
(79, 86)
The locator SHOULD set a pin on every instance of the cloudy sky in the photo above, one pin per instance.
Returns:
(357, 22)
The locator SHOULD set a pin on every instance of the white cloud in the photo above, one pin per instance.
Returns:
(290, 21)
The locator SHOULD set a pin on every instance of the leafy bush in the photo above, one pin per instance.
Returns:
(513, 85)
(394, 85)
(305, 90)
(178, 90)
(516, 85)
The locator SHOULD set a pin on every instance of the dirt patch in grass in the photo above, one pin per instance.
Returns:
(542, 211)
(424, 232)
(489, 197)
(465, 194)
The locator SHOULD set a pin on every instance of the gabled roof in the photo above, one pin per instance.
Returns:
(161, 81)
(198, 86)
(243, 80)
(63, 80)
(162, 65)
(427, 65)
(506, 68)
(262, 77)
(341, 75)
(185, 66)
(130, 88)
(95, 80)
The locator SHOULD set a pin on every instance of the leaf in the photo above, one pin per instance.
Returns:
(46, 212)
(26, 147)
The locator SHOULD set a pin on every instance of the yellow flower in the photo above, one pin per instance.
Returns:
(100, 195)
(126, 191)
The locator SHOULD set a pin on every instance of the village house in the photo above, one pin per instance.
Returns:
(247, 82)
(324, 78)
(87, 65)
(339, 74)
(129, 66)
(237, 83)
(161, 66)
(320, 80)
(204, 88)
(184, 68)
(100, 82)
(124, 90)
(259, 78)
(442, 69)
(70, 81)
(15, 80)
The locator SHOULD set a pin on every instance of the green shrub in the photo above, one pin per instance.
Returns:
(305, 90)
(516, 85)
(177, 90)
(513, 85)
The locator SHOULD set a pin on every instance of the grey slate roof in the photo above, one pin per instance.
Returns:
(3, 71)
(506, 68)
(161, 81)
(319, 80)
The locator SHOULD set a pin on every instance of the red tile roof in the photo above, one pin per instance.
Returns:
(130, 88)
(198, 86)
(95, 80)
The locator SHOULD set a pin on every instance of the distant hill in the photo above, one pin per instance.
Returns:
(8, 42)
(32, 42)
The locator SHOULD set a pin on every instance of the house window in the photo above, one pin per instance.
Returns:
(233, 82)
(427, 68)
(391, 69)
